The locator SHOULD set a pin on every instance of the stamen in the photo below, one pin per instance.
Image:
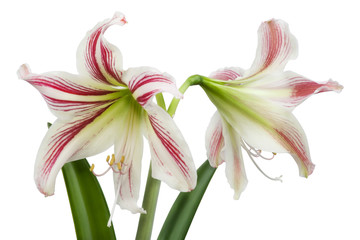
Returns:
(256, 165)
(114, 205)
(92, 167)
(112, 160)
(118, 165)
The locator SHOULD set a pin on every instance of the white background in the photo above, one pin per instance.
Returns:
(184, 38)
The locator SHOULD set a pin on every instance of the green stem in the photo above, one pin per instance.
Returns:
(192, 80)
(146, 221)
(184, 208)
(160, 100)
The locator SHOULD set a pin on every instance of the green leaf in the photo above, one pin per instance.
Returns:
(88, 205)
(184, 208)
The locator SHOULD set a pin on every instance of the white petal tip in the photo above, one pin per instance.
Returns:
(23, 71)
(119, 18)
(237, 195)
(335, 86)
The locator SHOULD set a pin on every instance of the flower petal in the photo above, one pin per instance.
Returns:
(276, 46)
(235, 170)
(99, 59)
(261, 123)
(289, 89)
(83, 136)
(214, 140)
(226, 74)
(68, 95)
(171, 157)
(146, 82)
(129, 146)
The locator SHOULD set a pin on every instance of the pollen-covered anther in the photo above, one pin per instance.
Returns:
(92, 167)
(119, 165)
(112, 161)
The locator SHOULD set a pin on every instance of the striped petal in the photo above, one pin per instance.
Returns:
(146, 82)
(83, 136)
(68, 95)
(235, 170)
(272, 128)
(276, 46)
(214, 140)
(99, 59)
(226, 74)
(171, 157)
(289, 89)
(129, 146)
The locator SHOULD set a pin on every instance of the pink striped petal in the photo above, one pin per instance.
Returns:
(171, 157)
(226, 74)
(145, 83)
(276, 46)
(270, 127)
(129, 144)
(99, 59)
(289, 89)
(235, 169)
(214, 140)
(83, 136)
(68, 95)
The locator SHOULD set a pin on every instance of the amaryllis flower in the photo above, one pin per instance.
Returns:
(103, 106)
(255, 107)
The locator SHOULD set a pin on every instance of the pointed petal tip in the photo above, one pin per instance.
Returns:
(24, 71)
(334, 86)
(307, 171)
(120, 17)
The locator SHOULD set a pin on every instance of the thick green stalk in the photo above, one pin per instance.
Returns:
(146, 221)
(88, 205)
(184, 208)
(192, 80)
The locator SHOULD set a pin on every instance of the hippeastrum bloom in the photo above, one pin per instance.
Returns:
(104, 105)
(255, 107)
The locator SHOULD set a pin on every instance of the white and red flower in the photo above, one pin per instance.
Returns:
(255, 107)
(103, 106)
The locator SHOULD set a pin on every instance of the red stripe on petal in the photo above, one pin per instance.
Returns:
(90, 56)
(143, 99)
(225, 75)
(216, 145)
(78, 106)
(295, 146)
(63, 85)
(170, 145)
(147, 78)
(63, 137)
(108, 62)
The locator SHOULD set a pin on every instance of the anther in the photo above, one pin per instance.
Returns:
(122, 159)
(108, 158)
(118, 165)
(92, 167)
(112, 160)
